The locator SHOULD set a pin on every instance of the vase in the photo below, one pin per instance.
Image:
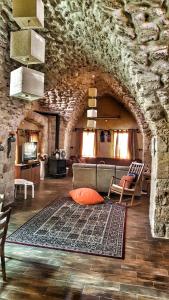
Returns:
(42, 170)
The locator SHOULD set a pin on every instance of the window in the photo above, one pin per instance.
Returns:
(120, 149)
(88, 144)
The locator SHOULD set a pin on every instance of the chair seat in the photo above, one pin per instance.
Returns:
(118, 189)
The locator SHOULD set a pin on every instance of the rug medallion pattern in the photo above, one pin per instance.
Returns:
(65, 225)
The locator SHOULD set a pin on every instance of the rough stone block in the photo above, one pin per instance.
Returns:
(160, 67)
(158, 53)
(163, 96)
(147, 31)
(159, 229)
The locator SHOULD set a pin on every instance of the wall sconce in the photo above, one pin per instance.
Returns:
(11, 139)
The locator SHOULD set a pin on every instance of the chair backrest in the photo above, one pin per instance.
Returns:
(1, 201)
(137, 169)
(4, 220)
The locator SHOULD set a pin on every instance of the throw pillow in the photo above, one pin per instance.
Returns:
(86, 196)
(128, 182)
(135, 176)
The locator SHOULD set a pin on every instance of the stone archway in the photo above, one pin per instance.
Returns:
(105, 83)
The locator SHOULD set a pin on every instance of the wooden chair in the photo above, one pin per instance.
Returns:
(136, 169)
(4, 220)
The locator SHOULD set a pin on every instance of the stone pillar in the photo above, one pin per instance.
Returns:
(62, 134)
(52, 132)
(7, 171)
(147, 152)
(159, 204)
(67, 141)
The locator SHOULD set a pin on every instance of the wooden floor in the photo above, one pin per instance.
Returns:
(37, 273)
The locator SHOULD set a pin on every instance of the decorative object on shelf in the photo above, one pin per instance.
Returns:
(27, 84)
(91, 124)
(32, 50)
(11, 139)
(28, 13)
(92, 113)
(57, 154)
(42, 157)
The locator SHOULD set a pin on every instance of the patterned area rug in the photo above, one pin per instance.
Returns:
(65, 225)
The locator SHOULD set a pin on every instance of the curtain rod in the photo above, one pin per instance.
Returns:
(95, 129)
(34, 130)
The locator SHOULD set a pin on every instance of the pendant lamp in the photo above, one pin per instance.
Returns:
(92, 102)
(27, 84)
(92, 113)
(91, 124)
(27, 47)
(28, 13)
(92, 92)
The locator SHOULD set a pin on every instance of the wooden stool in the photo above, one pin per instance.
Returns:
(25, 183)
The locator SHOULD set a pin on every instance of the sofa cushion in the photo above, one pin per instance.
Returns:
(104, 175)
(128, 181)
(86, 196)
(84, 175)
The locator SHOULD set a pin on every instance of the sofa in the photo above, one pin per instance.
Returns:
(95, 160)
(96, 176)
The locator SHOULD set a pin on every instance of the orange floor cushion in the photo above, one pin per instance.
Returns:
(86, 196)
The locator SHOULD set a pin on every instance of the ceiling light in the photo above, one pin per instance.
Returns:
(27, 84)
(32, 50)
(29, 13)
(92, 92)
(92, 113)
(91, 124)
(92, 102)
